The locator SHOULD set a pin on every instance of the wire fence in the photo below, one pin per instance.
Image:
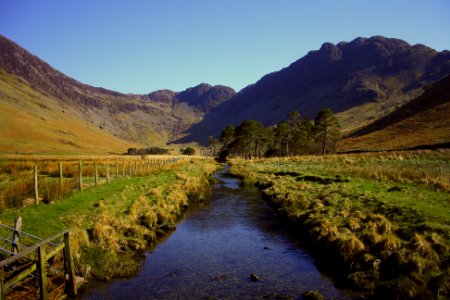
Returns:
(24, 183)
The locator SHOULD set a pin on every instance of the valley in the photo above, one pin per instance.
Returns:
(373, 224)
(362, 82)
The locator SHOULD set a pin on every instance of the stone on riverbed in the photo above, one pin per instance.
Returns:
(254, 277)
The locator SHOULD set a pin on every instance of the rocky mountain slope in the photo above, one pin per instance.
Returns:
(361, 81)
(142, 119)
(203, 97)
(422, 122)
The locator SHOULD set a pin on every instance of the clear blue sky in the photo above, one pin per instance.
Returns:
(142, 46)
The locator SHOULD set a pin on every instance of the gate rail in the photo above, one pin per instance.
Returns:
(43, 255)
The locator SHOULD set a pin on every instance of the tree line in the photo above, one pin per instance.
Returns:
(145, 151)
(297, 135)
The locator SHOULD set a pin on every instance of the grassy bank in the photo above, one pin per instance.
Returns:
(113, 224)
(380, 222)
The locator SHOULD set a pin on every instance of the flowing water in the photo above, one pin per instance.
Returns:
(214, 250)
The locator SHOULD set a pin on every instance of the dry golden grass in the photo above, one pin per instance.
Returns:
(32, 123)
(382, 217)
(17, 183)
(427, 128)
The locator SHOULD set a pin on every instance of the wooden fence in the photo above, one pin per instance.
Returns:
(19, 272)
(99, 172)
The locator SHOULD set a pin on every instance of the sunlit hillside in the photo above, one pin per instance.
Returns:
(422, 122)
(30, 121)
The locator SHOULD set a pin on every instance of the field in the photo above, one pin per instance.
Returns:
(58, 176)
(113, 223)
(381, 222)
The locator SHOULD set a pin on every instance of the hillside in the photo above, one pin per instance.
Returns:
(423, 121)
(130, 119)
(33, 123)
(361, 81)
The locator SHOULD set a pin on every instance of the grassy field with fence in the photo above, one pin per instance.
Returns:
(27, 181)
(112, 224)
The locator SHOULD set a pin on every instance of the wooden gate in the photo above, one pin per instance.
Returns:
(28, 269)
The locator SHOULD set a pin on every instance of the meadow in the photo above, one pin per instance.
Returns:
(58, 176)
(379, 221)
(112, 224)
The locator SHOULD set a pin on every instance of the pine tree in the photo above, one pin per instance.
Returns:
(326, 129)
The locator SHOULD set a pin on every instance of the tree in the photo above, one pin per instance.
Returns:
(132, 151)
(226, 139)
(282, 137)
(227, 135)
(187, 151)
(248, 138)
(213, 145)
(326, 130)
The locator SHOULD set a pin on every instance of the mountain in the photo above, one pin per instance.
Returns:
(202, 97)
(129, 119)
(34, 123)
(193, 103)
(422, 122)
(360, 81)
(206, 97)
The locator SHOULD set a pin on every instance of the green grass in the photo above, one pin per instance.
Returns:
(360, 211)
(117, 221)
(45, 220)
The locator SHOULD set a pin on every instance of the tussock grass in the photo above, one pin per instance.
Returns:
(380, 219)
(111, 225)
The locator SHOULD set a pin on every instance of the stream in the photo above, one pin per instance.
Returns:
(216, 247)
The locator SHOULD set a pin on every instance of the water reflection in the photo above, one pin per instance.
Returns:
(214, 250)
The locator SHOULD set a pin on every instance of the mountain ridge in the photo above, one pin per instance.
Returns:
(374, 74)
(132, 117)
(362, 81)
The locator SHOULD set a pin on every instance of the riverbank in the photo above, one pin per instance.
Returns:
(112, 225)
(230, 247)
(379, 222)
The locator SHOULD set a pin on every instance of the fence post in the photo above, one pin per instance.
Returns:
(16, 235)
(61, 183)
(129, 167)
(42, 272)
(107, 171)
(36, 191)
(80, 181)
(96, 173)
(69, 265)
(135, 168)
(1, 284)
(123, 167)
(117, 168)
(142, 168)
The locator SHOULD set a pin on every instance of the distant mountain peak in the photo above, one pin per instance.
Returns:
(202, 97)
(329, 52)
(360, 80)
